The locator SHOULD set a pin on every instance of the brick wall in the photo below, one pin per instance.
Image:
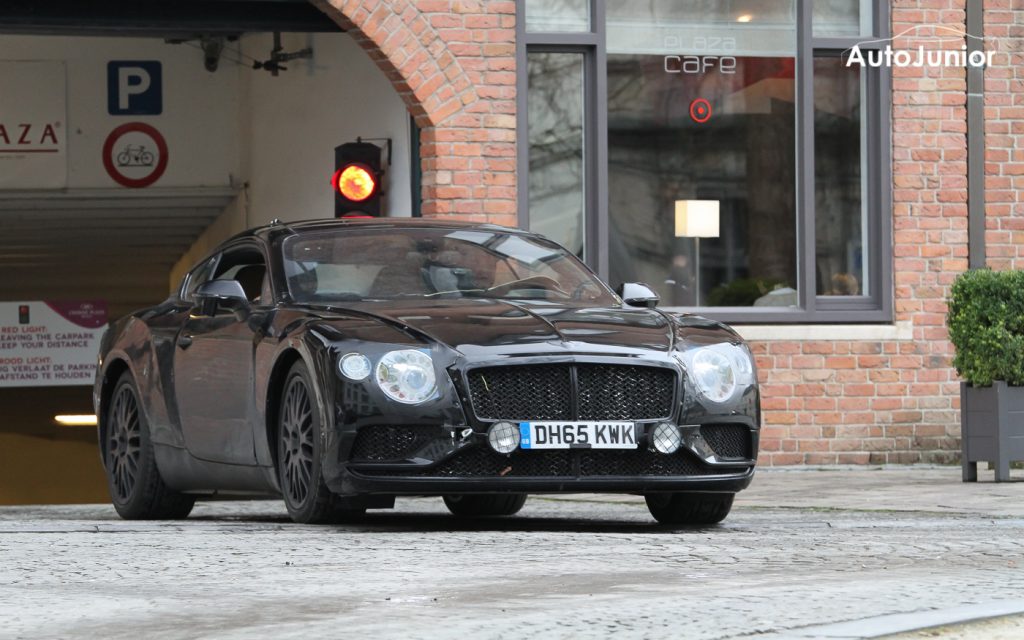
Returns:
(828, 401)
(1004, 135)
(453, 62)
(892, 401)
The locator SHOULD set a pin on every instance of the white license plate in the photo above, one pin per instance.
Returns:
(568, 435)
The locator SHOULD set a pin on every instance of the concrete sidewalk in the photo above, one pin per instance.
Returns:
(936, 489)
(910, 488)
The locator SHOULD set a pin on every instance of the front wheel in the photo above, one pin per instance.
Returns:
(306, 496)
(136, 488)
(689, 508)
(505, 504)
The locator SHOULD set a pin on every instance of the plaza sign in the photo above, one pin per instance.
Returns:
(33, 131)
(50, 344)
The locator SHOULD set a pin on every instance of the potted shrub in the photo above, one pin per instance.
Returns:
(986, 326)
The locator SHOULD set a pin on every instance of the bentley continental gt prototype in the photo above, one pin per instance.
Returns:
(342, 363)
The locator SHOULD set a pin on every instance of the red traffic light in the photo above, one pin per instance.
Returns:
(356, 182)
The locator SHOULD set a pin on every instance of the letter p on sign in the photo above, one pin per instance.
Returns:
(134, 88)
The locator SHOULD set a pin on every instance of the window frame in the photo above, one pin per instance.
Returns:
(877, 109)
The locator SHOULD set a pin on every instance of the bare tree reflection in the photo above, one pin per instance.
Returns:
(555, 116)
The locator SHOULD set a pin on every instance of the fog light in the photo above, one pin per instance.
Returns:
(665, 438)
(503, 437)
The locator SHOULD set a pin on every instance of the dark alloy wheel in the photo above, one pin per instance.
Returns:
(505, 504)
(136, 488)
(307, 498)
(689, 508)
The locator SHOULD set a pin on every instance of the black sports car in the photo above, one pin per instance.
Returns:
(343, 363)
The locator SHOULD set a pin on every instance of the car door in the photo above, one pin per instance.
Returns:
(213, 364)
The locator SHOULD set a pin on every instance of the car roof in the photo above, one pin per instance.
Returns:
(302, 226)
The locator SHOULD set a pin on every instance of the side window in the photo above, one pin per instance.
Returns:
(247, 267)
(198, 276)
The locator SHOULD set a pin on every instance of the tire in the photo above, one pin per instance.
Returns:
(299, 452)
(689, 508)
(136, 488)
(476, 506)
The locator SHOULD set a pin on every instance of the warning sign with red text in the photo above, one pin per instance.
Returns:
(49, 344)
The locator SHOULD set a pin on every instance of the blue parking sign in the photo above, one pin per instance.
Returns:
(134, 88)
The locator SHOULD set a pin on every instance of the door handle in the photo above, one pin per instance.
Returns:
(185, 341)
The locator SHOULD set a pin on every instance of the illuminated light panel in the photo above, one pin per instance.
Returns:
(746, 17)
(355, 182)
(76, 420)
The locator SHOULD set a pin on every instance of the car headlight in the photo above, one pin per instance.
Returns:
(719, 370)
(407, 376)
(354, 366)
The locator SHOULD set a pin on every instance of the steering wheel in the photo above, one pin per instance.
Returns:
(534, 282)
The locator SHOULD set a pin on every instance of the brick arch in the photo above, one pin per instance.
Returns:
(453, 63)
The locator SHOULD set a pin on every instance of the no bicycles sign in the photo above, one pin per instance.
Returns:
(135, 155)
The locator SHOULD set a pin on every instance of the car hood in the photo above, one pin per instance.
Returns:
(475, 325)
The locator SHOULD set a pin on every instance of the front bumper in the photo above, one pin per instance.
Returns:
(353, 483)
(452, 460)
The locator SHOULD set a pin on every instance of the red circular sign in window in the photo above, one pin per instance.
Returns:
(700, 110)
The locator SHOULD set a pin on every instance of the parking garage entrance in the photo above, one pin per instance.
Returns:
(134, 137)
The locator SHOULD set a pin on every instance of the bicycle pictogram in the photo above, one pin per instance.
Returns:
(135, 156)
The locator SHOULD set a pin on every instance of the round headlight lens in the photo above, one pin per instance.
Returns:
(407, 376)
(713, 374)
(503, 437)
(354, 366)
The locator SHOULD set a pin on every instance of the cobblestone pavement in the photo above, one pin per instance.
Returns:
(567, 567)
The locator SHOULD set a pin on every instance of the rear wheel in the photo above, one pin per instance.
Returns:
(306, 496)
(504, 504)
(689, 508)
(136, 488)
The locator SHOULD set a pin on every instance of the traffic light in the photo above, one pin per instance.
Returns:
(357, 180)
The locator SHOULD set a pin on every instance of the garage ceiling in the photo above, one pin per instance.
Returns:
(120, 244)
(159, 18)
(107, 244)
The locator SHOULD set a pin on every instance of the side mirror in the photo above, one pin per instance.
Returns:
(227, 292)
(638, 294)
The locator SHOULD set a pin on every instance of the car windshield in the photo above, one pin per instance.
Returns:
(391, 263)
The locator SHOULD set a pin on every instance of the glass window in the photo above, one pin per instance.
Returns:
(198, 276)
(839, 179)
(725, 146)
(353, 265)
(836, 18)
(557, 15)
(745, 27)
(555, 115)
(247, 266)
(705, 110)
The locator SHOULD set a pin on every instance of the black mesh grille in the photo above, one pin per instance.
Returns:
(624, 393)
(484, 462)
(481, 462)
(544, 392)
(386, 442)
(640, 463)
(728, 440)
(526, 392)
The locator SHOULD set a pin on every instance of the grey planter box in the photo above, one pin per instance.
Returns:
(992, 428)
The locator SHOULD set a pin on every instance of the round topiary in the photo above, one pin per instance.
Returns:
(986, 326)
